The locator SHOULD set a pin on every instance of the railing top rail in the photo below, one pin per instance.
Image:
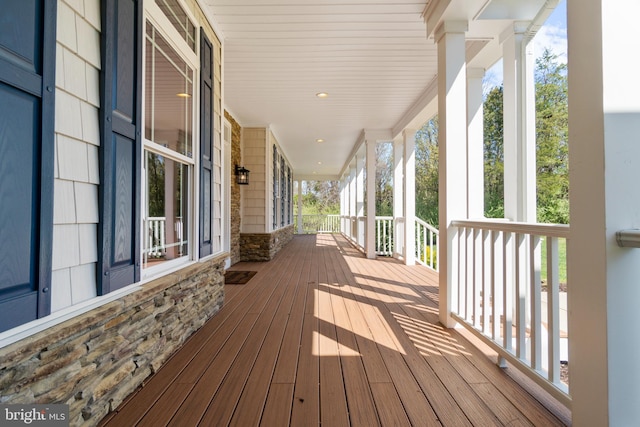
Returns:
(539, 229)
(384, 217)
(426, 225)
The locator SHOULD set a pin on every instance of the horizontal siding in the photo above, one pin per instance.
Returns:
(254, 194)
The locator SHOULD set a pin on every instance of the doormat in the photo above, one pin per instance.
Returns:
(236, 277)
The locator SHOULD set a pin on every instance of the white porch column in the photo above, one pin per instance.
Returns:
(360, 235)
(519, 125)
(352, 190)
(475, 143)
(604, 136)
(300, 228)
(343, 192)
(398, 196)
(409, 187)
(452, 141)
(360, 166)
(370, 243)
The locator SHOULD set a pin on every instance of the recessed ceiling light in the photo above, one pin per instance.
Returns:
(319, 163)
(319, 140)
(322, 94)
(183, 95)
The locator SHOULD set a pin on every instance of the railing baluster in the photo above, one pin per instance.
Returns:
(509, 261)
(487, 264)
(553, 309)
(496, 283)
(477, 277)
(535, 302)
(521, 296)
(535, 296)
(462, 272)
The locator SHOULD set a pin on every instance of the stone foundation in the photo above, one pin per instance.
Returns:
(236, 159)
(95, 360)
(264, 246)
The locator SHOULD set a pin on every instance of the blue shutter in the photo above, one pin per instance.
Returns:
(27, 86)
(206, 143)
(275, 187)
(120, 145)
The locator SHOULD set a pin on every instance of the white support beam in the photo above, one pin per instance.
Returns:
(352, 190)
(300, 228)
(360, 165)
(409, 139)
(398, 196)
(604, 136)
(475, 143)
(452, 140)
(519, 125)
(370, 243)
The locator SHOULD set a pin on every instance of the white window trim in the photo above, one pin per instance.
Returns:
(161, 24)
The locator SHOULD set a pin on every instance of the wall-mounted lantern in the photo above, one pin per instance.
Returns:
(242, 175)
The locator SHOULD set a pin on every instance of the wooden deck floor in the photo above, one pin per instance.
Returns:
(322, 335)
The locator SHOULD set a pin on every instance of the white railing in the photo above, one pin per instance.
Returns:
(156, 239)
(427, 242)
(498, 295)
(312, 224)
(389, 240)
(156, 244)
(384, 235)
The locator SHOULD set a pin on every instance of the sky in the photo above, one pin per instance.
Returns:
(552, 35)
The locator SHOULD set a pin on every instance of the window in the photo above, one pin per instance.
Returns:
(276, 193)
(150, 166)
(169, 159)
(27, 82)
(180, 21)
(281, 191)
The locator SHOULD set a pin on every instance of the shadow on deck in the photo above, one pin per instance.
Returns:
(322, 335)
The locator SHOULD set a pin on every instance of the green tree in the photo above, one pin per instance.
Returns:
(552, 173)
(319, 198)
(384, 179)
(426, 152)
(493, 154)
(552, 150)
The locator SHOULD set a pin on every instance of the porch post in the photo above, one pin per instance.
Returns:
(360, 185)
(343, 191)
(370, 244)
(519, 125)
(398, 197)
(409, 187)
(352, 190)
(360, 199)
(452, 138)
(475, 144)
(300, 228)
(604, 136)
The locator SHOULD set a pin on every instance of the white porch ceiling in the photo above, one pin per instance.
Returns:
(372, 57)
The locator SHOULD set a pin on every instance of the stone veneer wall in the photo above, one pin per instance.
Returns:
(93, 361)
(264, 246)
(236, 216)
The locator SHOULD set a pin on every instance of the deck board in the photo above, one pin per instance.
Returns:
(322, 335)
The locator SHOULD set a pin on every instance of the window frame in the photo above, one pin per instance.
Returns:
(154, 16)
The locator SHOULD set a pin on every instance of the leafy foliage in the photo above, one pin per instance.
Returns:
(552, 150)
(552, 172)
(384, 180)
(426, 152)
(494, 154)
(319, 198)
